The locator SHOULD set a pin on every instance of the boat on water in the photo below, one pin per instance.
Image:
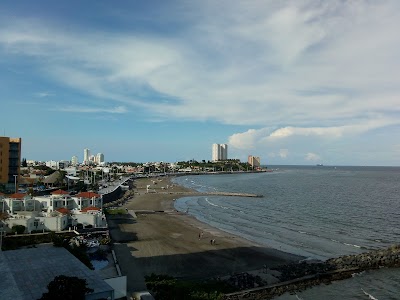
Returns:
(320, 165)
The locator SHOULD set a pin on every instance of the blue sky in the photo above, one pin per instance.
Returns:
(294, 82)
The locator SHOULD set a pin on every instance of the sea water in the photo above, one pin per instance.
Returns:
(314, 211)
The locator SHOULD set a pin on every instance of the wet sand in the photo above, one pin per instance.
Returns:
(165, 241)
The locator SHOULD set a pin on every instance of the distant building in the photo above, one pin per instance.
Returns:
(254, 161)
(10, 161)
(86, 155)
(99, 158)
(74, 161)
(219, 152)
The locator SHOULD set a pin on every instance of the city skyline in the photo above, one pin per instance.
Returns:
(300, 83)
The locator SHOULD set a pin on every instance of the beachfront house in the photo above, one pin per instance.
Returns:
(55, 212)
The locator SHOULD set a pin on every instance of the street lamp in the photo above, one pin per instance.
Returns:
(15, 182)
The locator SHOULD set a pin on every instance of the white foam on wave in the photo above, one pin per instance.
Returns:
(209, 202)
(298, 298)
(369, 295)
(358, 274)
(356, 246)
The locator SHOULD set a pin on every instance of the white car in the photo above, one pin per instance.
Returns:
(144, 295)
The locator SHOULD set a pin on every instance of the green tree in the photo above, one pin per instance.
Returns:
(66, 288)
(23, 163)
(81, 186)
(19, 229)
(60, 178)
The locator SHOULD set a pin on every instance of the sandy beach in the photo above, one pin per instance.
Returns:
(155, 238)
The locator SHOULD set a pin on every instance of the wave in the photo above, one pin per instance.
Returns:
(369, 295)
(209, 202)
(358, 274)
(356, 246)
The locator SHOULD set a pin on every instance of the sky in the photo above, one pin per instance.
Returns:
(293, 82)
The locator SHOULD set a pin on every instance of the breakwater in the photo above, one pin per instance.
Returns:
(300, 276)
(210, 194)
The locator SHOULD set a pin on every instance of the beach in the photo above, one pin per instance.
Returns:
(155, 238)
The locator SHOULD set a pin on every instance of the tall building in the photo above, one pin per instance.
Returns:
(10, 161)
(86, 155)
(99, 158)
(219, 152)
(74, 160)
(254, 161)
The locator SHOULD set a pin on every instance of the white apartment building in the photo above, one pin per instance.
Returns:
(100, 158)
(74, 161)
(254, 161)
(55, 212)
(56, 165)
(219, 152)
(86, 155)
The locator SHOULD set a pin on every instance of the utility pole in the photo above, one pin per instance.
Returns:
(15, 182)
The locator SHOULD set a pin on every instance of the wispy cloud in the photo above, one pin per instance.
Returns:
(80, 109)
(258, 62)
(283, 153)
(44, 94)
(323, 72)
(312, 157)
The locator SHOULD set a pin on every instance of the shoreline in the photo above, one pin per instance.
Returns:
(166, 241)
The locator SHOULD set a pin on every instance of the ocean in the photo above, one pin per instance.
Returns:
(317, 212)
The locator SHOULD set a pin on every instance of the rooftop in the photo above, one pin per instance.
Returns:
(87, 195)
(23, 278)
(90, 208)
(18, 195)
(60, 192)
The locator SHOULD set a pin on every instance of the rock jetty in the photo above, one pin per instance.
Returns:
(300, 276)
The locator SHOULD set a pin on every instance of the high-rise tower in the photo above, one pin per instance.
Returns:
(219, 152)
(10, 161)
(86, 155)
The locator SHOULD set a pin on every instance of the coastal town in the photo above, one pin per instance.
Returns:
(94, 208)
(115, 226)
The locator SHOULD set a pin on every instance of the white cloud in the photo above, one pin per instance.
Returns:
(312, 157)
(302, 74)
(266, 136)
(248, 139)
(307, 62)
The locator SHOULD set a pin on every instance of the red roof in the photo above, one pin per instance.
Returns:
(18, 195)
(89, 208)
(87, 195)
(60, 192)
(63, 210)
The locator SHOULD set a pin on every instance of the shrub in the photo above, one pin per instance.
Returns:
(68, 288)
(19, 229)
